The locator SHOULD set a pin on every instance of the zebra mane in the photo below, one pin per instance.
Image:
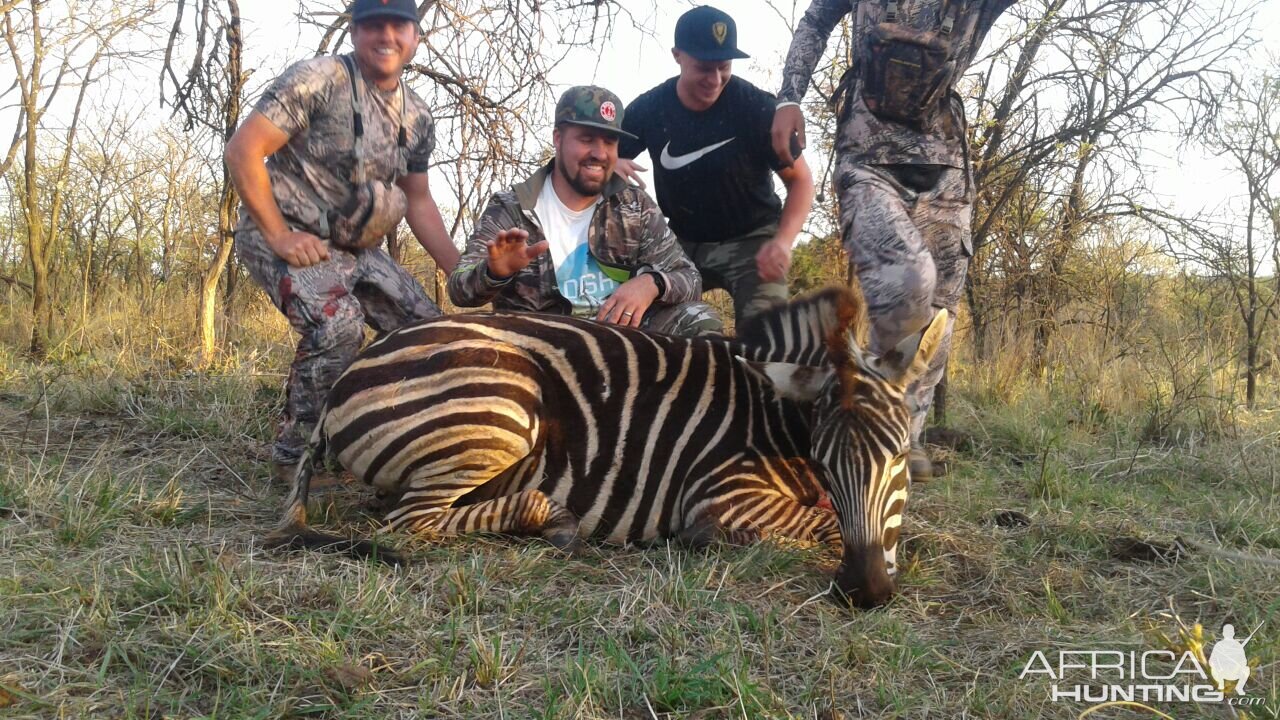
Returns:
(814, 329)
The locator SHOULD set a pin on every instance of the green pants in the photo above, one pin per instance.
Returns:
(731, 266)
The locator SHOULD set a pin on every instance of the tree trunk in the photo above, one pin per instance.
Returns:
(1050, 293)
(209, 285)
(978, 317)
(395, 247)
(1251, 313)
(36, 253)
(226, 207)
(1251, 366)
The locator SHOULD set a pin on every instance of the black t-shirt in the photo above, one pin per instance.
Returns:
(713, 170)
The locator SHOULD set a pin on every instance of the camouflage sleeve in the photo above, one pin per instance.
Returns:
(991, 11)
(293, 97)
(661, 254)
(424, 142)
(470, 284)
(808, 44)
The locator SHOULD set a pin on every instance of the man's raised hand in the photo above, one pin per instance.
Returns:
(788, 121)
(510, 252)
(630, 171)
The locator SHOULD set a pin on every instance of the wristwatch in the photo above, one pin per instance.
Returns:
(657, 280)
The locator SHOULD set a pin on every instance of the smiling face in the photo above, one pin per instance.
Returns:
(383, 47)
(585, 158)
(701, 81)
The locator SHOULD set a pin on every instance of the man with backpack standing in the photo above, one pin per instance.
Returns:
(333, 157)
(902, 160)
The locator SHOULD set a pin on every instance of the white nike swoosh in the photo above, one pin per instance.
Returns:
(676, 162)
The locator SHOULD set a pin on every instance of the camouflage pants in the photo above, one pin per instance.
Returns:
(910, 248)
(689, 319)
(731, 266)
(328, 305)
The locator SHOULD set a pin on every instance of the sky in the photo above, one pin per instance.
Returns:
(635, 56)
(630, 61)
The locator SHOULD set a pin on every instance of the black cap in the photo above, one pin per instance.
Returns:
(362, 10)
(708, 34)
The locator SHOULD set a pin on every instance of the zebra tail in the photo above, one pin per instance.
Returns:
(293, 533)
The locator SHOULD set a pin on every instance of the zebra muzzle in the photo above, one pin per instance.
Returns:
(863, 582)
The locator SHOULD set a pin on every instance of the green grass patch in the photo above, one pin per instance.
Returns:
(132, 583)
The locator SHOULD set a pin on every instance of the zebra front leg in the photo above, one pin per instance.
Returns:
(293, 531)
(745, 520)
(529, 512)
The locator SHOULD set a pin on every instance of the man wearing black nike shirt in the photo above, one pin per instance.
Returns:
(708, 134)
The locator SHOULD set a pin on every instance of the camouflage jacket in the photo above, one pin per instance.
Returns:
(627, 231)
(867, 138)
(312, 104)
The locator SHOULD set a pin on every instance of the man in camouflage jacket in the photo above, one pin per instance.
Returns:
(577, 239)
(904, 182)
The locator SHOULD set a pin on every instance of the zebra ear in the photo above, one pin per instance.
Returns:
(910, 359)
(801, 383)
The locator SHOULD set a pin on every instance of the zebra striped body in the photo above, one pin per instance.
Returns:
(570, 428)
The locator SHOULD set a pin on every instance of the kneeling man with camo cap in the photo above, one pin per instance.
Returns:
(577, 239)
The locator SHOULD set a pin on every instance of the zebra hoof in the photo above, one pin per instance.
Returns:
(701, 535)
(568, 543)
(565, 540)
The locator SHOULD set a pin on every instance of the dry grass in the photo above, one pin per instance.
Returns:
(131, 585)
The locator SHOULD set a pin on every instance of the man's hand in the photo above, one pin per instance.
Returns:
(773, 262)
(510, 252)
(787, 121)
(630, 171)
(299, 249)
(628, 304)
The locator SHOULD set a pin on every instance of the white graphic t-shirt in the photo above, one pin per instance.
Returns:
(578, 275)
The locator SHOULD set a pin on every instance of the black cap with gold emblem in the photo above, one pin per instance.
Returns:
(708, 33)
(362, 10)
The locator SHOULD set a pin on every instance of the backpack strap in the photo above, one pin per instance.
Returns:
(357, 118)
(951, 9)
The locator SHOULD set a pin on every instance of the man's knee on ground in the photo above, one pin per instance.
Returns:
(689, 319)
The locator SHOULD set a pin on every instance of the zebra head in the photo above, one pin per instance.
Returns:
(860, 435)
